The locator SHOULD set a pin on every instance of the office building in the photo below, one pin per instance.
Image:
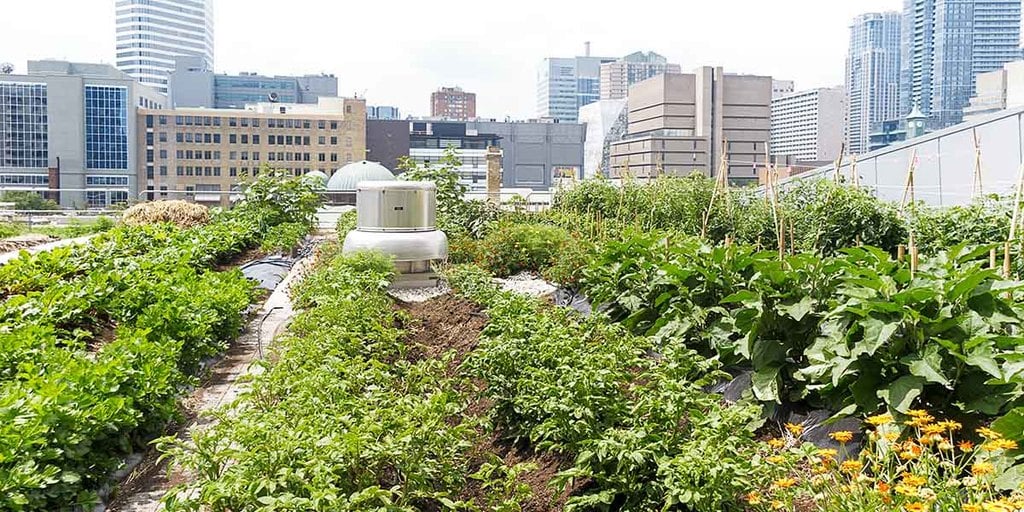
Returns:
(564, 85)
(453, 103)
(194, 85)
(872, 77)
(151, 34)
(997, 90)
(618, 76)
(606, 122)
(201, 154)
(808, 125)
(782, 88)
(382, 112)
(681, 123)
(534, 154)
(946, 44)
(71, 126)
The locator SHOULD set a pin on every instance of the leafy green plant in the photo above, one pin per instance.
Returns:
(513, 248)
(284, 237)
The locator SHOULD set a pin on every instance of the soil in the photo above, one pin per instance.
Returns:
(450, 324)
(17, 243)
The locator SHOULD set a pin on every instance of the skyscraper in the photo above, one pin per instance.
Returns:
(151, 33)
(616, 77)
(872, 76)
(566, 84)
(946, 45)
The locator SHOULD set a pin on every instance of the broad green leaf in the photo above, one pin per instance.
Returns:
(900, 395)
(798, 310)
(766, 384)
(928, 365)
(1011, 424)
(876, 334)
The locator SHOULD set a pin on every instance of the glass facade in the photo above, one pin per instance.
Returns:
(106, 127)
(23, 125)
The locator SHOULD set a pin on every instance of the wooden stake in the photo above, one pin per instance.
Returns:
(992, 258)
(723, 169)
(1013, 223)
(908, 184)
(839, 162)
(853, 171)
(901, 252)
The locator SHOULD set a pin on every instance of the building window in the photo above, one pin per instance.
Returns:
(233, 171)
(255, 138)
(163, 136)
(163, 170)
(305, 140)
(321, 124)
(232, 139)
(334, 125)
(272, 140)
(321, 140)
(216, 136)
(334, 157)
(23, 125)
(245, 139)
(163, 154)
(106, 127)
(256, 155)
(334, 141)
(163, 121)
(179, 137)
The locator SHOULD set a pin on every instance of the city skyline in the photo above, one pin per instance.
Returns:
(410, 60)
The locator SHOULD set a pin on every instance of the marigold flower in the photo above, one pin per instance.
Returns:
(882, 487)
(826, 453)
(754, 498)
(794, 429)
(842, 436)
(914, 507)
(784, 483)
(879, 420)
(965, 446)
(920, 421)
(776, 443)
(851, 466)
(913, 480)
(1000, 505)
(982, 468)
(988, 433)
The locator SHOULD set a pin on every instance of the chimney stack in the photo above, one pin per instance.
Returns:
(586, 49)
(494, 175)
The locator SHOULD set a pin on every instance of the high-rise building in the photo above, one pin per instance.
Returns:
(808, 125)
(681, 123)
(201, 154)
(194, 85)
(566, 84)
(71, 126)
(152, 33)
(946, 45)
(616, 77)
(872, 76)
(453, 103)
(782, 88)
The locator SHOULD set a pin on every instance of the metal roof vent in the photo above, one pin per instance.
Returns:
(397, 218)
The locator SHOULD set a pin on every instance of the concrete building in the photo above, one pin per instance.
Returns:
(997, 90)
(534, 154)
(193, 85)
(199, 154)
(453, 103)
(681, 123)
(872, 76)
(946, 44)
(808, 125)
(72, 126)
(151, 34)
(564, 85)
(782, 88)
(618, 76)
(387, 141)
(606, 122)
(382, 112)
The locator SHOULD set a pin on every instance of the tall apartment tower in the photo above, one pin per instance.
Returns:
(152, 33)
(872, 76)
(566, 84)
(808, 125)
(946, 45)
(616, 77)
(453, 103)
(681, 123)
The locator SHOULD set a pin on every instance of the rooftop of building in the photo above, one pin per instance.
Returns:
(52, 67)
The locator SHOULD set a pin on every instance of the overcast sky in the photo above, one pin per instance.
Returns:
(397, 52)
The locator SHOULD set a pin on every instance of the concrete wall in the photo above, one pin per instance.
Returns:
(532, 151)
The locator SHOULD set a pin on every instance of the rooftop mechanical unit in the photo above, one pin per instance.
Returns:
(397, 218)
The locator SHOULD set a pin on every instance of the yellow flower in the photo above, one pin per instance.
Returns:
(879, 420)
(913, 480)
(906, 490)
(971, 508)
(951, 425)
(999, 444)
(826, 453)
(892, 436)
(921, 421)
(982, 468)
(911, 451)
(754, 498)
(917, 413)
(776, 443)
(776, 459)
(935, 429)
(965, 446)
(914, 507)
(945, 445)
(851, 466)
(988, 433)
(796, 430)
(784, 483)
(778, 505)
(842, 436)
(1000, 505)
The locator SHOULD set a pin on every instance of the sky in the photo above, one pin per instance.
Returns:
(396, 52)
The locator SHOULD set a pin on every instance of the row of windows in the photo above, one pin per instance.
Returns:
(305, 124)
(198, 8)
(24, 126)
(106, 181)
(24, 179)
(106, 127)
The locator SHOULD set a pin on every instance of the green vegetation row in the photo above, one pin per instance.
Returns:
(99, 342)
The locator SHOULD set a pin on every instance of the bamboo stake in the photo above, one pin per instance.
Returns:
(978, 186)
(839, 162)
(723, 168)
(908, 184)
(1013, 223)
(901, 252)
(853, 171)
(992, 258)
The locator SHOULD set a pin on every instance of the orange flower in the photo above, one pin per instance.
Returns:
(882, 487)
(754, 498)
(965, 446)
(842, 436)
(794, 429)
(911, 451)
(982, 468)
